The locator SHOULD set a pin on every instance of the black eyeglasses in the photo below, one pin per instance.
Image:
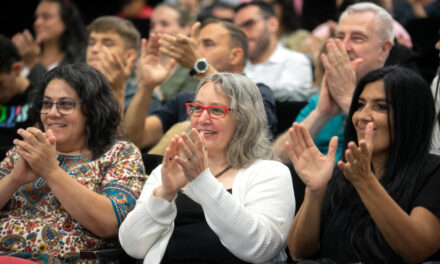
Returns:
(63, 107)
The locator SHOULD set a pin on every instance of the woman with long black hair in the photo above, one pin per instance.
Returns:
(381, 203)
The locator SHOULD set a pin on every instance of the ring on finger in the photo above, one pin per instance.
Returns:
(354, 162)
(192, 156)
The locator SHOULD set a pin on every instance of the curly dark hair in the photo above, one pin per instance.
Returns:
(74, 39)
(98, 103)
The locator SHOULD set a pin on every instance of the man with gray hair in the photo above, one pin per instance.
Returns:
(364, 37)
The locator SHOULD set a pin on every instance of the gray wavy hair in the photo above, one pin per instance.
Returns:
(250, 141)
(384, 21)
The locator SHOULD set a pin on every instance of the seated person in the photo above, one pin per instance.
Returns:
(224, 48)
(220, 189)
(60, 38)
(15, 89)
(113, 45)
(380, 204)
(69, 183)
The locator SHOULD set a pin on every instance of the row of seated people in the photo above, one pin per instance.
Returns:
(150, 64)
(65, 189)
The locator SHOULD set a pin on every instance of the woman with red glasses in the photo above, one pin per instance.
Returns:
(219, 196)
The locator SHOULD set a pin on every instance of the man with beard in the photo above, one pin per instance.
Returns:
(287, 73)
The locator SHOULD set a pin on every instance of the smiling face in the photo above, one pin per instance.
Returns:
(372, 106)
(218, 133)
(165, 20)
(69, 130)
(48, 23)
(357, 31)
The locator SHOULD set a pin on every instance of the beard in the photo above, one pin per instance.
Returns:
(261, 44)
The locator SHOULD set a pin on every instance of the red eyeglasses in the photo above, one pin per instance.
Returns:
(215, 111)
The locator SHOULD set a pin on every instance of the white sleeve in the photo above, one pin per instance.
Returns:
(149, 222)
(253, 223)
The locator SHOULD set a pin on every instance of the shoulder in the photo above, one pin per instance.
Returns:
(122, 147)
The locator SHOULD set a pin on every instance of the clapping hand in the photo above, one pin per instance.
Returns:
(182, 48)
(38, 149)
(314, 168)
(28, 47)
(358, 159)
(150, 70)
(196, 154)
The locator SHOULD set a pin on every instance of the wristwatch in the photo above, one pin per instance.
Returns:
(200, 66)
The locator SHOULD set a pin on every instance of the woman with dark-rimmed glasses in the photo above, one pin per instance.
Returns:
(218, 197)
(69, 182)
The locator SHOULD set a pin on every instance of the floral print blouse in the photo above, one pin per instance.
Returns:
(34, 225)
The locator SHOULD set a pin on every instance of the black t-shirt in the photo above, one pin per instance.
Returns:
(334, 220)
(193, 241)
(14, 115)
(174, 110)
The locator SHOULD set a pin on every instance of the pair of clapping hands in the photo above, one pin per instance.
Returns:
(184, 160)
(38, 156)
(152, 70)
(316, 169)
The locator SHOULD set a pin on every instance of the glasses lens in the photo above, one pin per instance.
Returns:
(45, 107)
(217, 111)
(66, 107)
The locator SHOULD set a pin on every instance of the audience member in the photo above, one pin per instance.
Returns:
(414, 9)
(223, 47)
(364, 38)
(68, 184)
(381, 203)
(289, 34)
(14, 93)
(113, 46)
(287, 73)
(173, 20)
(218, 188)
(221, 10)
(60, 38)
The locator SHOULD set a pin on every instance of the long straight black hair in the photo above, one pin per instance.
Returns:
(411, 101)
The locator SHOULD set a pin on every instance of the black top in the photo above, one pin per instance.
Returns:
(174, 110)
(14, 115)
(193, 241)
(334, 220)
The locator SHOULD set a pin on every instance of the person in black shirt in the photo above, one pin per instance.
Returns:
(14, 90)
(381, 203)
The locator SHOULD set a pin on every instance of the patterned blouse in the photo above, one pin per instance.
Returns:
(34, 225)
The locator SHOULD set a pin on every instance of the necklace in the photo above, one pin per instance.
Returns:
(222, 172)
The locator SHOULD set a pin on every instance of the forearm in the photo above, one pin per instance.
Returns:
(92, 210)
(7, 188)
(407, 235)
(344, 103)
(148, 222)
(280, 148)
(303, 239)
(135, 117)
(314, 122)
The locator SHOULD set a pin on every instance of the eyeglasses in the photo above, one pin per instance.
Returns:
(215, 112)
(63, 107)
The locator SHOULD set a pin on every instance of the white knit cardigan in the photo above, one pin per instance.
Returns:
(252, 223)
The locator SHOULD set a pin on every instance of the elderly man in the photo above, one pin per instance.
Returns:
(219, 46)
(287, 73)
(364, 37)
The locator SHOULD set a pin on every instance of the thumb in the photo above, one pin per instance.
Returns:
(332, 147)
(51, 137)
(355, 63)
(195, 29)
